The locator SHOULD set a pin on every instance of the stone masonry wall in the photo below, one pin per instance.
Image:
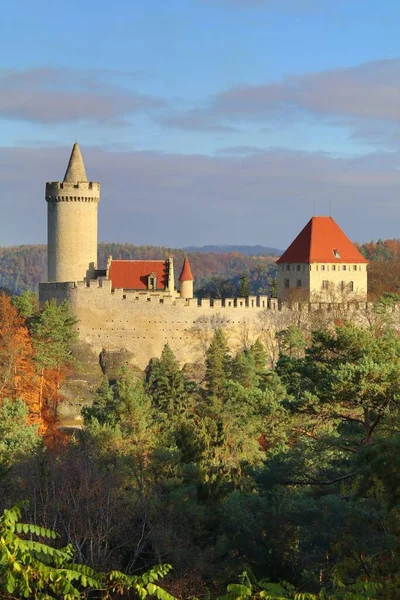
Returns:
(143, 323)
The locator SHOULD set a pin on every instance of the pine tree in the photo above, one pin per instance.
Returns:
(166, 384)
(17, 437)
(54, 335)
(218, 365)
(244, 287)
(260, 355)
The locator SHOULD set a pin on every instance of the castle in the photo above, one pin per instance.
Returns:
(134, 305)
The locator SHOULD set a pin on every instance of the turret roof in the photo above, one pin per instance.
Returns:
(322, 241)
(76, 169)
(186, 273)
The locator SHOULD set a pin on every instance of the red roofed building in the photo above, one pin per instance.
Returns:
(323, 265)
(149, 276)
(140, 275)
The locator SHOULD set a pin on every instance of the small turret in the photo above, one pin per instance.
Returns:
(186, 280)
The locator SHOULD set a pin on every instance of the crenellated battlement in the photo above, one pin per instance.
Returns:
(67, 191)
(97, 289)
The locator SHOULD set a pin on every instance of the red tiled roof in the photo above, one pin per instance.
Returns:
(186, 273)
(322, 241)
(133, 274)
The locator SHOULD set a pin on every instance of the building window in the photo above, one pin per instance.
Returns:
(342, 285)
(354, 267)
(298, 267)
(322, 267)
(324, 284)
(152, 282)
(336, 253)
(287, 267)
(344, 267)
(333, 267)
(286, 283)
(299, 283)
(351, 286)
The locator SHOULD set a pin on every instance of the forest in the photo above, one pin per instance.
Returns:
(216, 274)
(263, 479)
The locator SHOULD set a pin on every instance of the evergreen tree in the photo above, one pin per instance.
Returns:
(54, 334)
(244, 286)
(27, 304)
(17, 437)
(244, 369)
(167, 386)
(218, 365)
(260, 355)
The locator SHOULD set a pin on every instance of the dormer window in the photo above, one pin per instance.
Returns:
(152, 282)
(336, 253)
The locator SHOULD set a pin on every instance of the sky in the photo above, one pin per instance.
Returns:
(205, 121)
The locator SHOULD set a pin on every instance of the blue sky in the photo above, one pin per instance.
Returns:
(206, 121)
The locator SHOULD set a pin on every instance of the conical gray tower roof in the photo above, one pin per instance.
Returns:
(76, 169)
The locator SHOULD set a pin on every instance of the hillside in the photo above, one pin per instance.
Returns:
(23, 267)
(248, 250)
(216, 273)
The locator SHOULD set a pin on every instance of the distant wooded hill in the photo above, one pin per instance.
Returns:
(23, 267)
(248, 250)
(217, 273)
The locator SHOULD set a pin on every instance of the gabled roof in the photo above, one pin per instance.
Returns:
(186, 273)
(76, 169)
(322, 241)
(133, 274)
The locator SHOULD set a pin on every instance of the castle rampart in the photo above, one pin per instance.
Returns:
(142, 322)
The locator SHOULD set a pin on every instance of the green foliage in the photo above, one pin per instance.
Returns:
(17, 438)
(167, 386)
(53, 332)
(27, 304)
(218, 364)
(244, 287)
(34, 569)
(248, 590)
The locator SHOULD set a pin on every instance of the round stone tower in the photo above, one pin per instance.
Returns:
(72, 223)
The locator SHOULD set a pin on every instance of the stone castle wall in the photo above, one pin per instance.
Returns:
(143, 323)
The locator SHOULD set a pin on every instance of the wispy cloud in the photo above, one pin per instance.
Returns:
(57, 95)
(195, 120)
(364, 98)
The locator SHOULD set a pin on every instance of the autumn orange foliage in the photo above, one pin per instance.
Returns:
(18, 374)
